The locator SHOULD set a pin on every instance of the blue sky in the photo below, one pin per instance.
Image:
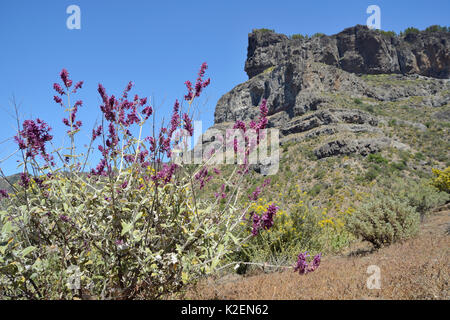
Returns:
(158, 45)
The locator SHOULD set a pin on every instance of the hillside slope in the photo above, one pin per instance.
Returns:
(362, 115)
(416, 269)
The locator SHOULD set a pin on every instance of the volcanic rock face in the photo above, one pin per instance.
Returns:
(309, 82)
(357, 50)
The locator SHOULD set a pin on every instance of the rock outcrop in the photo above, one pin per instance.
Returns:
(359, 146)
(357, 50)
(307, 83)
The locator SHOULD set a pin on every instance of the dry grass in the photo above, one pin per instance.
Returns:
(416, 269)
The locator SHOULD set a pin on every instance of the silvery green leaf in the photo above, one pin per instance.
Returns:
(7, 227)
(27, 250)
(126, 227)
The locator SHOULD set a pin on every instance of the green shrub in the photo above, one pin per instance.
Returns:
(392, 123)
(377, 158)
(315, 190)
(387, 33)
(420, 194)
(371, 174)
(319, 174)
(299, 36)
(410, 30)
(419, 156)
(401, 165)
(368, 108)
(437, 28)
(424, 197)
(309, 154)
(263, 30)
(357, 101)
(383, 220)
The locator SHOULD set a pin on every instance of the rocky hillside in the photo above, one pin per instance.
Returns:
(363, 117)
(357, 50)
(345, 91)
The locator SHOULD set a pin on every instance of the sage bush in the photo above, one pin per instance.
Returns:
(132, 227)
(383, 220)
(420, 194)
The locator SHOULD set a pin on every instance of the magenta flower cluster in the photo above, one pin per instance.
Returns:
(255, 194)
(302, 266)
(70, 122)
(122, 113)
(221, 194)
(200, 84)
(97, 132)
(203, 177)
(165, 174)
(258, 125)
(264, 221)
(4, 194)
(33, 137)
(24, 180)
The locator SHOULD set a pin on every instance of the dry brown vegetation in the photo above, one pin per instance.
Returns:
(415, 269)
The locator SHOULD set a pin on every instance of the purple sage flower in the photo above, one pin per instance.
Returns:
(4, 194)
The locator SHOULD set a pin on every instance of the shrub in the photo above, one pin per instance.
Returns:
(437, 28)
(309, 154)
(263, 30)
(371, 174)
(320, 174)
(357, 101)
(293, 231)
(377, 158)
(424, 197)
(401, 165)
(442, 179)
(383, 220)
(315, 190)
(420, 194)
(300, 36)
(368, 108)
(387, 33)
(131, 228)
(410, 30)
(301, 227)
(392, 123)
(419, 156)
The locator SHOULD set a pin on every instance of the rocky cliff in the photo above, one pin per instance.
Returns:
(336, 86)
(357, 50)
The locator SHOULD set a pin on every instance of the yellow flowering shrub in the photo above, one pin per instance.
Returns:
(300, 227)
(442, 179)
